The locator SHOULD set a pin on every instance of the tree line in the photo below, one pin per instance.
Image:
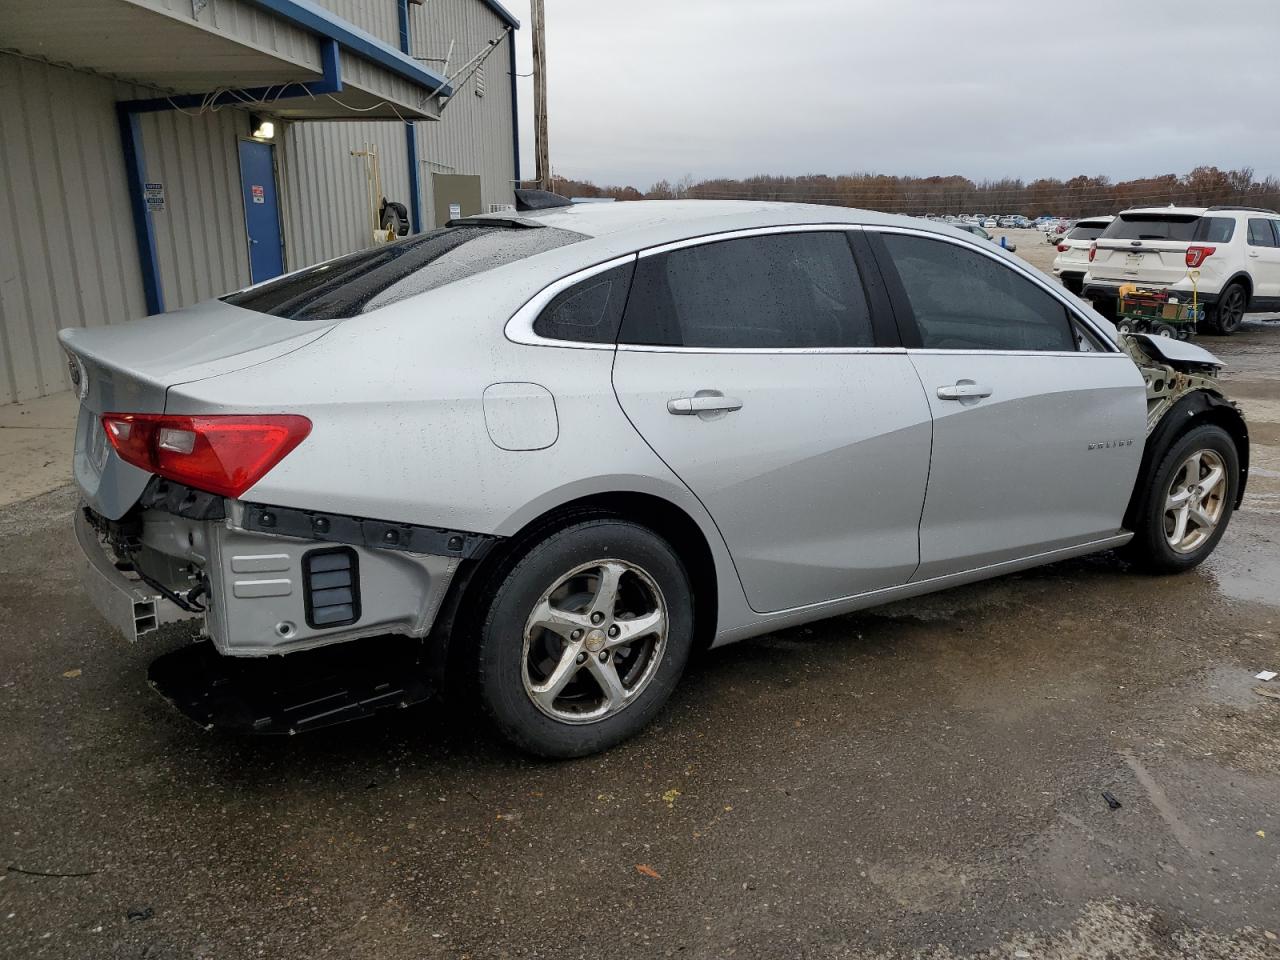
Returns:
(1204, 186)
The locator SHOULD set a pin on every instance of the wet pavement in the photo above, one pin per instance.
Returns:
(923, 777)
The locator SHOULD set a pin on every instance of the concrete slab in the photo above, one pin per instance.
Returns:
(35, 446)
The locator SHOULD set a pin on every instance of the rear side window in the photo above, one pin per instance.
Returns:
(588, 312)
(962, 300)
(778, 291)
(1261, 233)
(369, 279)
(1179, 227)
(1086, 231)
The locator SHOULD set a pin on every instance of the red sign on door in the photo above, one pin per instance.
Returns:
(259, 195)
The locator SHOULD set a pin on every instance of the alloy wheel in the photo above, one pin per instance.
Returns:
(1195, 501)
(1231, 310)
(594, 641)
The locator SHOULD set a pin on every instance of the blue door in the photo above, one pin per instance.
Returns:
(261, 210)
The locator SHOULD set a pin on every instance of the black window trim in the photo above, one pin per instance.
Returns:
(883, 332)
(905, 317)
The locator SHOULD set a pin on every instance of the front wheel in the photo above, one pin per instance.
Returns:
(1187, 502)
(585, 638)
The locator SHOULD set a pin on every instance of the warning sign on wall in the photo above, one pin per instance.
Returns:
(153, 193)
(259, 195)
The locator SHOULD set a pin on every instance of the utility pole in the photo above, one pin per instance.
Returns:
(541, 151)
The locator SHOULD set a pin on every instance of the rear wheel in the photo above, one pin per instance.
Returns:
(1187, 502)
(1073, 284)
(1224, 317)
(585, 638)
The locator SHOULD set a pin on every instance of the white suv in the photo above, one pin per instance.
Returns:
(1072, 261)
(1230, 255)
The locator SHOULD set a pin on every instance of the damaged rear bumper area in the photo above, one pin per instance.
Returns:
(257, 581)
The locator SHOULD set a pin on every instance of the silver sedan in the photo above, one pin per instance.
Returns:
(545, 455)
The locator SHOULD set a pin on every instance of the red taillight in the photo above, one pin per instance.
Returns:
(224, 454)
(1093, 251)
(1063, 248)
(1198, 255)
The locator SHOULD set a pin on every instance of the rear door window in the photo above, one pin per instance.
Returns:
(369, 279)
(773, 292)
(962, 300)
(1261, 233)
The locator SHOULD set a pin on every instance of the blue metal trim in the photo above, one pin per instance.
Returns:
(515, 111)
(415, 184)
(410, 135)
(402, 15)
(316, 19)
(144, 234)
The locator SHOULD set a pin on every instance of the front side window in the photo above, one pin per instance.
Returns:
(1260, 233)
(774, 292)
(963, 300)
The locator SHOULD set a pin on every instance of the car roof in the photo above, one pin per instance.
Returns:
(681, 219)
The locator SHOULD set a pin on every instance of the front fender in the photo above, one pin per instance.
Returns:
(1196, 407)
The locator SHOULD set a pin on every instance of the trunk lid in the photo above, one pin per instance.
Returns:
(1162, 262)
(1150, 246)
(130, 368)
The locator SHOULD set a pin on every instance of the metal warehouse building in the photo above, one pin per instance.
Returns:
(154, 153)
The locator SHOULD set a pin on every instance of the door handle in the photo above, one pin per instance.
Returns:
(1253, 253)
(703, 403)
(964, 390)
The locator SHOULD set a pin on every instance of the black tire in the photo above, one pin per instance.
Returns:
(500, 635)
(1150, 548)
(1073, 284)
(1225, 317)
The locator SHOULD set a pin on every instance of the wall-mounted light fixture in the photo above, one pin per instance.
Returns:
(263, 129)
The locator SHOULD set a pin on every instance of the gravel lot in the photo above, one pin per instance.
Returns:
(923, 777)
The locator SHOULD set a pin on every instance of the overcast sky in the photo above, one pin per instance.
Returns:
(985, 88)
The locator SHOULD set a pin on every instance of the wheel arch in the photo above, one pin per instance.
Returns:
(1195, 409)
(1243, 278)
(661, 515)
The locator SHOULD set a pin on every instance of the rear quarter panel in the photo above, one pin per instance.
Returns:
(399, 433)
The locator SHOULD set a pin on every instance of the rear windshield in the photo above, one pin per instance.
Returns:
(1181, 227)
(369, 279)
(1086, 231)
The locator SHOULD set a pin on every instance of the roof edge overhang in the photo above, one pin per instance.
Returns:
(502, 13)
(316, 19)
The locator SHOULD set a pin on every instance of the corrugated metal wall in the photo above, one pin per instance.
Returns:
(473, 135)
(379, 17)
(200, 233)
(324, 188)
(67, 254)
(67, 247)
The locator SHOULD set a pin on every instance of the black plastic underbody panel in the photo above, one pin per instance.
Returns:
(303, 691)
(381, 534)
(181, 500)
